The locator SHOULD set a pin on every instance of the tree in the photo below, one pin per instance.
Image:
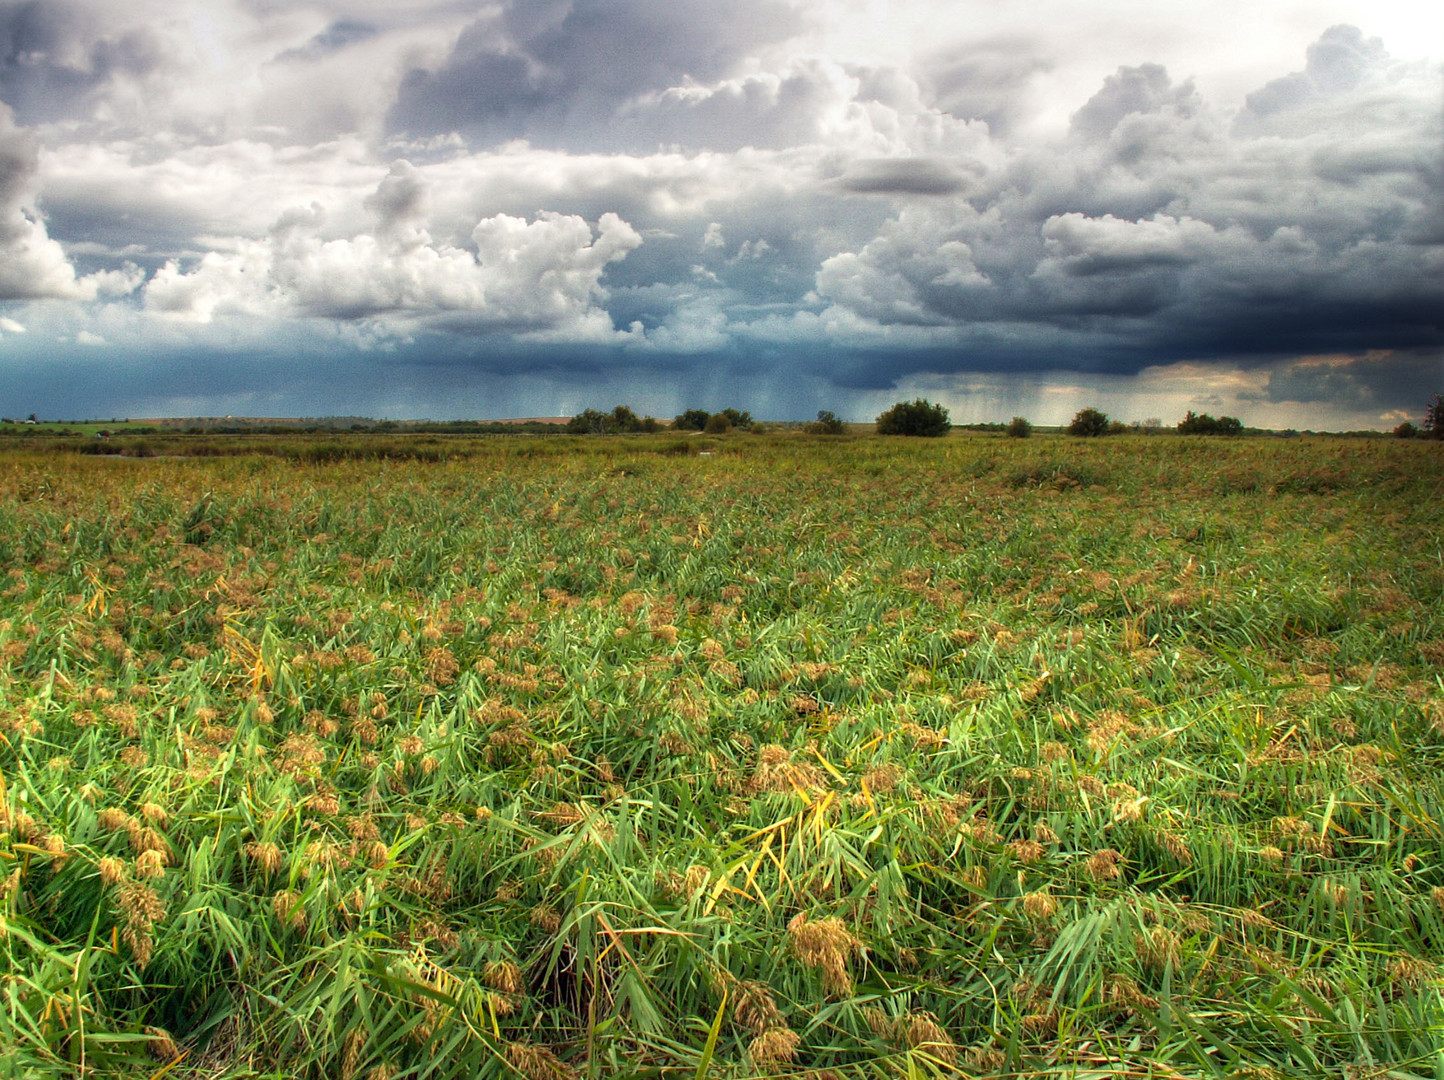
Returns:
(718, 423)
(1202, 424)
(740, 420)
(1019, 428)
(621, 420)
(589, 422)
(1089, 423)
(691, 420)
(1406, 430)
(1434, 417)
(827, 423)
(919, 417)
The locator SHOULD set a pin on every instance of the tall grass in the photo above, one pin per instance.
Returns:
(560, 757)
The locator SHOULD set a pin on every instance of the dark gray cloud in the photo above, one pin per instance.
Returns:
(1379, 378)
(904, 176)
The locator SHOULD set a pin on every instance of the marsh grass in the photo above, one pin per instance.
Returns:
(553, 757)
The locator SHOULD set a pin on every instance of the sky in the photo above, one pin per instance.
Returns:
(447, 209)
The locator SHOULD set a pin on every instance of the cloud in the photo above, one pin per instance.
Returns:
(1336, 64)
(337, 36)
(905, 275)
(1078, 245)
(993, 80)
(831, 196)
(904, 176)
(1153, 231)
(59, 58)
(1380, 379)
(539, 276)
(554, 70)
(31, 264)
(1132, 91)
(400, 201)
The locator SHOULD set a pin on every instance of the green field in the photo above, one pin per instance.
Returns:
(559, 757)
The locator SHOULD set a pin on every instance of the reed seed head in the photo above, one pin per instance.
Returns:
(773, 1047)
(1039, 905)
(537, 1062)
(266, 855)
(825, 945)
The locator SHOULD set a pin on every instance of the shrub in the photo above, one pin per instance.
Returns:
(1089, 423)
(717, 423)
(1406, 430)
(1019, 428)
(826, 423)
(919, 417)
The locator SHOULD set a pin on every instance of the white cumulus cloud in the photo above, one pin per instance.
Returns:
(541, 275)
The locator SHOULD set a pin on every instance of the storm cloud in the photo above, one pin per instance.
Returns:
(785, 205)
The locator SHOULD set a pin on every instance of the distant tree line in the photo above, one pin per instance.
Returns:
(623, 421)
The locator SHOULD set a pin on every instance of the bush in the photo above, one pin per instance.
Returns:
(827, 423)
(1019, 428)
(717, 423)
(1406, 430)
(919, 417)
(1089, 423)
